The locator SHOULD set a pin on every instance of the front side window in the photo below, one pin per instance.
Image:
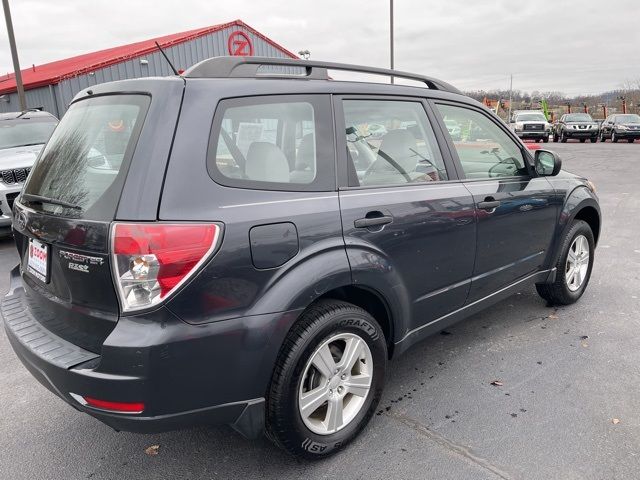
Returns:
(391, 142)
(82, 164)
(484, 149)
(271, 143)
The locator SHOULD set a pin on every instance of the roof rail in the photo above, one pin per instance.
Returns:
(247, 67)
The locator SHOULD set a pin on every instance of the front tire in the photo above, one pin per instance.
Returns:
(602, 137)
(614, 137)
(563, 137)
(582, 140)
(573, 269)
(630, 140)
(327, 381)
(594, 139)
(546, 139)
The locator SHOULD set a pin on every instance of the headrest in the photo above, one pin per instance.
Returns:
(400, 145)
(266, 163)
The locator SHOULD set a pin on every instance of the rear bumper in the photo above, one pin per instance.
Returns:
(184, 375)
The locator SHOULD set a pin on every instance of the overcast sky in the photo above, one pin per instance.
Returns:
(572, 46)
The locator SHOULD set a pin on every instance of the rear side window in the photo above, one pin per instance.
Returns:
(84, 163)
(390, 143)
(273, 143)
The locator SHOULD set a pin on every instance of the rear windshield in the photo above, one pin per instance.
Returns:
(19, 133)
(81, 170)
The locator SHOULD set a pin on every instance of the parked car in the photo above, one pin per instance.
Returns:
(22, 136)
(454, 129)
(167, 279)
(625, 126)
(575, 125)
(530, 125)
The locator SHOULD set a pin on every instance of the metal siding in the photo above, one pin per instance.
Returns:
(37, 97)
(183, 55)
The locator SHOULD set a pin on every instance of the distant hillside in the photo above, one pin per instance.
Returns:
(558, 101)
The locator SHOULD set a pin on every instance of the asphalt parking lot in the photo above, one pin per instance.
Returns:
(566, 374)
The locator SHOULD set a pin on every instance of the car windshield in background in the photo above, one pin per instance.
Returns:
(631, 118)
(579, 117)
(530, 117)
(19, 133)
(81, 164)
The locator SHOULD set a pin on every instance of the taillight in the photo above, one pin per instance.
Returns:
(151, 260)
(109, 405)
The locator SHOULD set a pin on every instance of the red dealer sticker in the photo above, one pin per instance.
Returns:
(240, 44)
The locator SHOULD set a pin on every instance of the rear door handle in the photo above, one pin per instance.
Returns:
(489, 204)
(373, 221)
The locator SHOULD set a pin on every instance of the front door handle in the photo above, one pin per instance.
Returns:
(373, 219)
(489, 203)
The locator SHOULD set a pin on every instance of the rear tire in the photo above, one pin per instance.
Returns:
(319, 334)
(594, 139)
(566, 289)
(582, 140)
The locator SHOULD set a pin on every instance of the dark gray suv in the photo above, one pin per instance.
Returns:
(252, 242)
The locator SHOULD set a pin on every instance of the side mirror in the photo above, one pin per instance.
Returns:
(547, 163)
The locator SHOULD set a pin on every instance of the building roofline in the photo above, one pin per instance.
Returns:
(8, 84)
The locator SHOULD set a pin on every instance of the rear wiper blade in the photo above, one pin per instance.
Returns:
(29, 197)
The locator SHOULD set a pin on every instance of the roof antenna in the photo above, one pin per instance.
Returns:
(167, 59)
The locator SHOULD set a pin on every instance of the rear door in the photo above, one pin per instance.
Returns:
(405, 217)
(64, 214)
(516, 211)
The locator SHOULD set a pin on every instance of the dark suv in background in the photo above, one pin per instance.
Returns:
(236, 246)
(625, 126)
(575, 125)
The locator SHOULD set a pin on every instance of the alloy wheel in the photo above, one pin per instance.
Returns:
(577, 263)
(335, 383)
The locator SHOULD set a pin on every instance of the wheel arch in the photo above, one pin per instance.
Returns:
(581, 204)
(590, 215)
(373, 302)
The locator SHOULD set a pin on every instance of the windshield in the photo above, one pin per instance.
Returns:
(81, 164)
(579, 117)
(631, 118)
(531, 117)
(18, 133)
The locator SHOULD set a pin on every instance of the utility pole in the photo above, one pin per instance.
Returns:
(391, 34)
(14, 55)
(510, 97)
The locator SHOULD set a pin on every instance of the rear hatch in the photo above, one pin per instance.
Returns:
(63, 217)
